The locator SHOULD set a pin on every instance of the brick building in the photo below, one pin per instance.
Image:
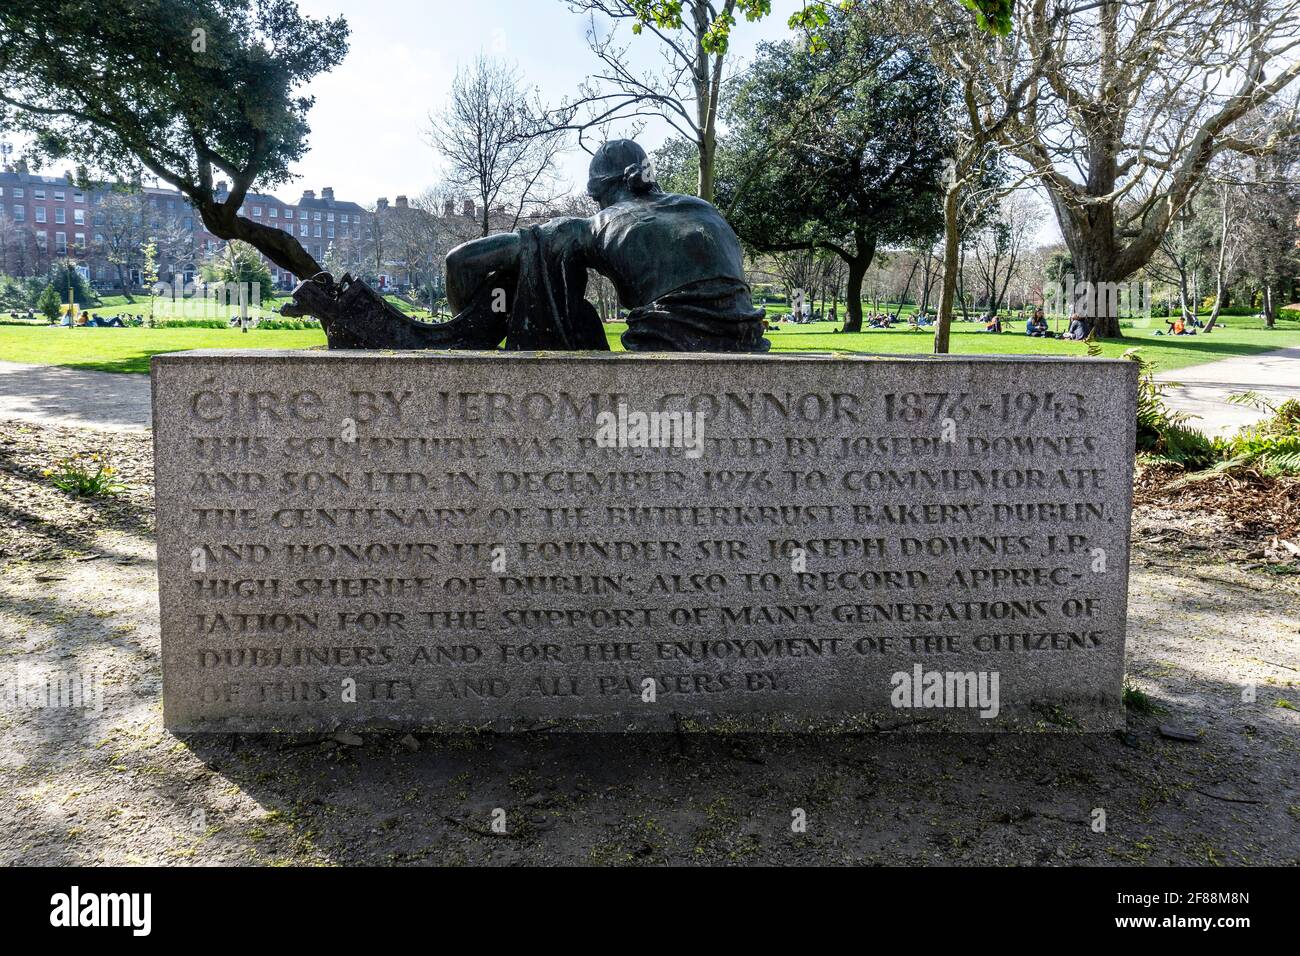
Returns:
(43, 218)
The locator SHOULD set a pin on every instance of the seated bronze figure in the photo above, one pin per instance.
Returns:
(675, 262)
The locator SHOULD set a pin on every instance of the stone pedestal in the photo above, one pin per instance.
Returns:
(614, 542)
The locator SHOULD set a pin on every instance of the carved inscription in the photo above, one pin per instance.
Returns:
(461, 541)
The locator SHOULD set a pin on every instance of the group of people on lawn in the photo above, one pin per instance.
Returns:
(1036, 326)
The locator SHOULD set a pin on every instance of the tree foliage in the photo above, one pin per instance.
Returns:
(192, 91)
(864, 170)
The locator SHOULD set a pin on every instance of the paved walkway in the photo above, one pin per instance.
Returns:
(74, 398)
(107, 402)
(1204, 389)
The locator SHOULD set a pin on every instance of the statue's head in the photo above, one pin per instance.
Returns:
(620, 170)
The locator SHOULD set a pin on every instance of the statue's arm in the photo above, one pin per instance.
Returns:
(469, 265)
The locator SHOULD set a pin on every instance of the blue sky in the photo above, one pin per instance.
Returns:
(367, 126)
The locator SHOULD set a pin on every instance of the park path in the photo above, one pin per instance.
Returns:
(74, 398)
(1204, 390)
(77, 398)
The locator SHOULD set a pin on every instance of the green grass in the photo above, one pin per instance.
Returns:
(128, 350)
(1166, 352)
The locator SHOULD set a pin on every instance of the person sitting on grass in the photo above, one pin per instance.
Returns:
(1037, 326)
(994, 324)
(1078, 329)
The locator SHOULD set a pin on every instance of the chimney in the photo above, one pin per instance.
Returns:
(327, 194)
(468, 208)
(449, 208)
(308, 194)
(400, 202)
(222, 187)
(381, 205)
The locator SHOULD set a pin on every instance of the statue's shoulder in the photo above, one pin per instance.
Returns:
(623, 214)
(566, 231)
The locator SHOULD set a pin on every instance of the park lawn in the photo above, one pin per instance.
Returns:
(116, 305)
(1168, 353)
(129, 350)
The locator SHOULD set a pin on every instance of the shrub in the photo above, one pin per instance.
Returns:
(48, 304)
(1162, 433)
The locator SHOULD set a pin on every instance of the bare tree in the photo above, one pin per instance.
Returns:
(685, 91)
(988, 103)
(996, 250)
(119, 231)
(497, 146)
(1132, 103)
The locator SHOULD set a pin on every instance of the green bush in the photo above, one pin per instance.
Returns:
(1273, 446)
(48, 304)
(1162, 433)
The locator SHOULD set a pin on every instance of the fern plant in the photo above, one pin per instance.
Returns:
(1163, 434)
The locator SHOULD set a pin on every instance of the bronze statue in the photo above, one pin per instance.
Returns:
(675, 262)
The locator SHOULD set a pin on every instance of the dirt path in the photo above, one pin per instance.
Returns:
(74, 398)
(77, 593)
(1204, 390)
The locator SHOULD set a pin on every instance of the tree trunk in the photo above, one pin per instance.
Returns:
(708, 166)
(1096, 294)
(853, 304)
(951, 263)
(906, 289)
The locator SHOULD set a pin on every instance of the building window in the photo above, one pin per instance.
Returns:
(331, 232)
(343, 218)
(61, 243)
(79, 217)
(257, 212)
(303, 215)
(78, 196)
(38, 193)
(20, 213)
(330, 217)
(60, 215)
(318, 232)
(81, 240)
(275, 212)
(42, 240)
(40, 213)
(303, 230)
(60, 195)
(18, 192)
(317, 217)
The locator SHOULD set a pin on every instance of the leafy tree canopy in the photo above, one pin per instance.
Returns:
(813, 17)
(193, 91)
